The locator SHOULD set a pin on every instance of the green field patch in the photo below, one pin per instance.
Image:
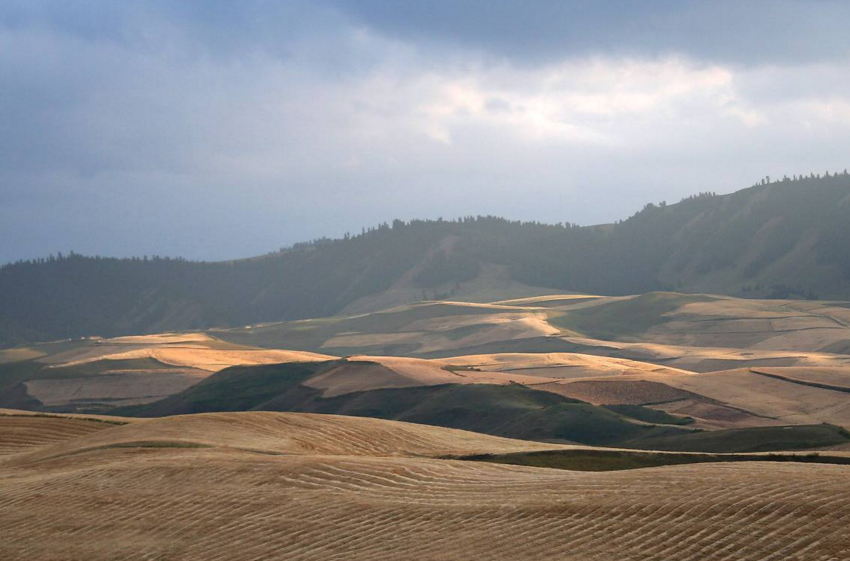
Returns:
(616, 460)
(758, 439)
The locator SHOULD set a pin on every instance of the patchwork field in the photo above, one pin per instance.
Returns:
(290, 486)
(572, 368)
(98, 375)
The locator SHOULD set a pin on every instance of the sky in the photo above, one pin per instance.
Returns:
(214, 129)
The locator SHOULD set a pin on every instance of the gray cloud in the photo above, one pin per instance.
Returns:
(223, 129)
(748, 31)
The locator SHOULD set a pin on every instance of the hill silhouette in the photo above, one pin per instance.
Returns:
(781, 239)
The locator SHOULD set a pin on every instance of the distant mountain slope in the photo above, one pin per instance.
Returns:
(781, 239)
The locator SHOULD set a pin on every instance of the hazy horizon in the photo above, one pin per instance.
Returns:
(216, 130)
(338, 235)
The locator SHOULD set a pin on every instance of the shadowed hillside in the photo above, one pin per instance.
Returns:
(778, 240)
(512, 410)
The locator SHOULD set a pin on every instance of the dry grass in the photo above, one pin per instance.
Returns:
(292, 433)
(775, 338)
(20, 432)
(358, 489)
(202, 358)
(542, 371)
(15, 355)
(548, 300)
(707, 359)
(710, 415)
(117, 388)
(775, 399)
(159, 339)
(827, 377)
(137, 370)
(618, 392)
(560, 365)
(758, 324)
(364, 373)
(505, 323)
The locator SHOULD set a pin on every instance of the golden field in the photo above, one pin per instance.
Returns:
(290, 486)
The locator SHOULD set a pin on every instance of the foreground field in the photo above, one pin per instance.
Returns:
(247, 486)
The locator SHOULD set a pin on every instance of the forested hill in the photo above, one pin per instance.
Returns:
(789, 238)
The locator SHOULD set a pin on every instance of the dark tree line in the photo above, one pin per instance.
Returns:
(796, 223)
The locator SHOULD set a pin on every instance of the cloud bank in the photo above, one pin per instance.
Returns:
(220, 129)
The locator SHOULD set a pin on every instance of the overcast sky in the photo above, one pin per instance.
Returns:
(216, 129)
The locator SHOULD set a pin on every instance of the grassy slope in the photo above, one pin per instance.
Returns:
(759, 439)
(512, 411)
(624, 318)
(613, 460)
(13, 375)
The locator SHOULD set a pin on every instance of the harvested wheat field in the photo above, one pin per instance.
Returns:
(771, 396)
(560, 365)
(20, 431)
(364, 373)
(549, 300)
(618, 392)
(543, 371)
(707, 359)
(293, 433)
(97, 374)
(488, 325)
(116, 387)
(288, 486)
(202, 358)
(713, 321)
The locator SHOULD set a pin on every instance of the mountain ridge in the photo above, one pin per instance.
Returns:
(781, 239)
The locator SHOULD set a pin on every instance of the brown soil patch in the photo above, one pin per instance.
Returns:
(714, 416)
(117, 388)
(617, 392)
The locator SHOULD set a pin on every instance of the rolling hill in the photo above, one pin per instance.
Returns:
(241, 486)
(778, 240)
(674, 371)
